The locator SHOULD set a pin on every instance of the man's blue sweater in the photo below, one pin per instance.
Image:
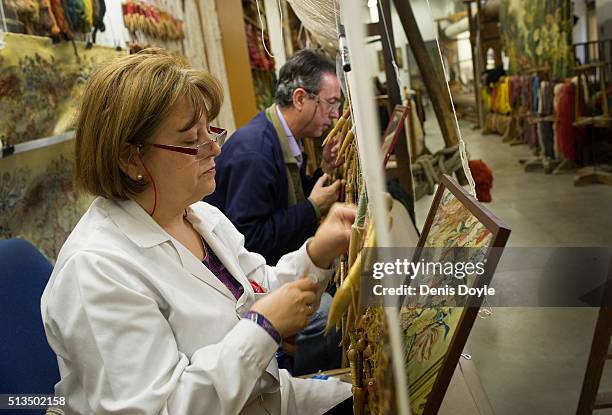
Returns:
(252, 191)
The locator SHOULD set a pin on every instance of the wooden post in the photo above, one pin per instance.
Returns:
(440, 99)
(402, 152)
(477, 92)
(395, 97)
(480, 65)
(237, 63)
(590, 398)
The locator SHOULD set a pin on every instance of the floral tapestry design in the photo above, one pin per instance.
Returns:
(38, 201)
(427, 331)
(537, 33)
(40, 84)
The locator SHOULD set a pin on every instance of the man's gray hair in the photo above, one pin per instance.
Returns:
(302, 70)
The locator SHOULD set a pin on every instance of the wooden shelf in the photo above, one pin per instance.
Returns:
(603, 401)
(589, 66)
(599, 121)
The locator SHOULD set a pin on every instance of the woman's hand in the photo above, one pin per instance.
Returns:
(332, 237)
(289, 307)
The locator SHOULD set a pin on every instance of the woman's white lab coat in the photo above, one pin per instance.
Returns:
(141, 326)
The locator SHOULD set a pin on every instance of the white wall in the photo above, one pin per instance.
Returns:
(464, 54)
(604, 18)
(115, 33)
(579, 34)
(427, 26)
(424, 17)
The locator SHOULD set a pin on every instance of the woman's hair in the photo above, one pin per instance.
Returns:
(124, 103)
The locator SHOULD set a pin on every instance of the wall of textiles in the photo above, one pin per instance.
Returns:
(67, 19)
(533, 110)
(496, 102)
(38, 201)
(40, 84)
(41, 81)
(537, 33)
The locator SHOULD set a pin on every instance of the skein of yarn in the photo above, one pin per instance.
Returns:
(483, 177)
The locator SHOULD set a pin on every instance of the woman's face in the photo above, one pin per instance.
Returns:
(181, 179)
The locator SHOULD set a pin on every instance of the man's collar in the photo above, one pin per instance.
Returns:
(283, 122)
(296, 151)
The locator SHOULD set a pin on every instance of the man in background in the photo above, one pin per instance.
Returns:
(262, 185)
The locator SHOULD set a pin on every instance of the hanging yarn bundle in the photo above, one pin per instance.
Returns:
(503, 96)
(26, 11)
(58, 18)
(545, 128)
(486, 99)
(535, 83)
(515, 91)
(497, 120)
(152, 21)
(483, 177)
(258, 58)
(527, 101)
(514, 128)
(570, 139)
(47, 19)
(57, 7)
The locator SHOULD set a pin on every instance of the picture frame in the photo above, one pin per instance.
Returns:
(399, 59)
(454, 216)
(394, 129)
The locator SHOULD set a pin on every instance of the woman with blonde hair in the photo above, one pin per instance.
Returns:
(154, 305)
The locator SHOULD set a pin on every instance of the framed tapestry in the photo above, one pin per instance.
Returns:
(435, 327)
(394, 130)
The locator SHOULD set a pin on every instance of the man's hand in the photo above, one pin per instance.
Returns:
(324, 196)
(330, 152)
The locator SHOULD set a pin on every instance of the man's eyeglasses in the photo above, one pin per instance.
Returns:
(201, 151)
(332, 104)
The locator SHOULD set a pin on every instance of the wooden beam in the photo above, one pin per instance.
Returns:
(589, 397)
(237, 63)
(436, 89)
(387, 39)
(372, 29)
(402, 152)
(477, 92)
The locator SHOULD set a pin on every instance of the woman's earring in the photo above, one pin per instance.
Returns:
(139, 177)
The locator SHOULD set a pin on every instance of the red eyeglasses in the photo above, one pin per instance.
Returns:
(201, 151)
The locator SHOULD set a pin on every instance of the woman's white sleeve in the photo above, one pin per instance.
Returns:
(110, 330)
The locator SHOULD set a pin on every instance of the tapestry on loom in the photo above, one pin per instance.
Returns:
(40, 84)
(38, 201)
(537, 33)
(427, 331)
